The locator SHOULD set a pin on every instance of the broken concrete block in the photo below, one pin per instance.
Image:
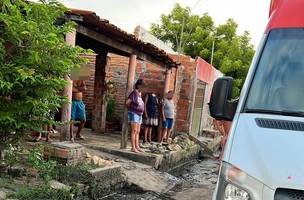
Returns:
(59, 186)
(65, 152)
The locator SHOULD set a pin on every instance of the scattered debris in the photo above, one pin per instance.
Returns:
(215, 144)
(95, 160)
(183, 141)
(178, 143)
(157, 148)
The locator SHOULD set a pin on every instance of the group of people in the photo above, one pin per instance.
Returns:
(147, 111)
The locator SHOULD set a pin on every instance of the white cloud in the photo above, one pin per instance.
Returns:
(251, 15)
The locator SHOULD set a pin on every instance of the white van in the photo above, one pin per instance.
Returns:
(264, 154)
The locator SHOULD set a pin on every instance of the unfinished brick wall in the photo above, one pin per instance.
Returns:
(99, 89)
(117, 71)
(184, 93)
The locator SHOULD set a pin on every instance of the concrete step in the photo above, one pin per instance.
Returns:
(145, 158)
(163, 162)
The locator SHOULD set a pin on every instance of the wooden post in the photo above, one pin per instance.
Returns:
(130, 84)
(70, 39)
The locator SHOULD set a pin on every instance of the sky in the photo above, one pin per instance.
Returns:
(251, 15)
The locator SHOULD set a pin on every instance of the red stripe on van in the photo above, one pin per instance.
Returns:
(286, 14)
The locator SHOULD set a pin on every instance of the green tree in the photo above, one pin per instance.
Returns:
(33, 61)
(195, 35)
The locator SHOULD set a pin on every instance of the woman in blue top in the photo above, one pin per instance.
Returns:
(136, 108)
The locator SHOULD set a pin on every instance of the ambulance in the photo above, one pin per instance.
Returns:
(264, 154)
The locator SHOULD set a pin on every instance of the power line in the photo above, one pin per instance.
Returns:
(198, 1)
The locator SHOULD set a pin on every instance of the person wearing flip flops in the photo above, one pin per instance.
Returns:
(78, 112)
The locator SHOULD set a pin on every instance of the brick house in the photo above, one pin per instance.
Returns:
(194, 83)
(104, 39)
(115, 54)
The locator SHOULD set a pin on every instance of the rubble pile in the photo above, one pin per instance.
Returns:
(178, 143)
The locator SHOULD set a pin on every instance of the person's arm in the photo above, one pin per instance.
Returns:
(134, 97)
(163, 111)
(74, 88)
(146, 101)
(128, 103)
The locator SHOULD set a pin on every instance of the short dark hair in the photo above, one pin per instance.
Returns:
(139, 82)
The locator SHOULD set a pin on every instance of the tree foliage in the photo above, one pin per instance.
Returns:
(194, 35)
(33, 61)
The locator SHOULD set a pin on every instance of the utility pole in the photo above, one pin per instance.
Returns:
(212, 52)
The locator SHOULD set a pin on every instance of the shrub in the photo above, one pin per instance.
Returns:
(34, 59)
(110, 109)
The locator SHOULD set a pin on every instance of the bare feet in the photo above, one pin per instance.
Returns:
(135, 150)
(79, 137)
(72, 140)
(38, 138)
(139, 149)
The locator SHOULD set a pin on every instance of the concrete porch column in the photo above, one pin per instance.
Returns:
(130, 84)
(167, 81)
(70, 39)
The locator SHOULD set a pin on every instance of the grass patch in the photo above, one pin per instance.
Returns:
(40, 192)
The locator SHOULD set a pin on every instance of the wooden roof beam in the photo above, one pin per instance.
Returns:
(118, 45)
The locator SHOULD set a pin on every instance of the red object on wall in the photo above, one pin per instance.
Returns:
(286, 14)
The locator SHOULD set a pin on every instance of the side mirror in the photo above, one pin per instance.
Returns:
(222, 107)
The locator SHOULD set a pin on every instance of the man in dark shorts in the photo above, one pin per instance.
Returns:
(78, 113)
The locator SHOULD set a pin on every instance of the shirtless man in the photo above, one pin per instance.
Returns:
(78, 112)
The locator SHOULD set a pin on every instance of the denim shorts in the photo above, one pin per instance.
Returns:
(168, 123)
(78, 111)
(134, 118)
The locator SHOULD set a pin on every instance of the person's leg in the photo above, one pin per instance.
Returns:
(159, 134)
(137, 137)
(73, 117)
(164, 135)
(146, 134)
(133, 137)
(81, 115)
(150, 134)
(80, 127)
(164, 131)
(38, 138)
(72, 131)
(48, 136)
(170, 126)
